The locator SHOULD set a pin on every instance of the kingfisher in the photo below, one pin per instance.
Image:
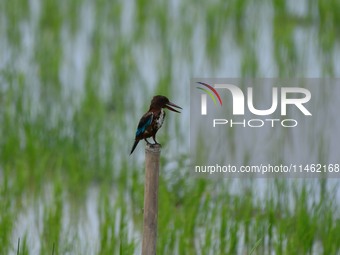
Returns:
(153, 120)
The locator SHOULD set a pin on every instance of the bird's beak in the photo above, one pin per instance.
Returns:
(172, 109)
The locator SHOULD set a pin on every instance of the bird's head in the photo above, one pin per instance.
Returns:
(163, 102)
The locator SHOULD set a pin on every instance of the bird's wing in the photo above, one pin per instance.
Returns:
(144, 122)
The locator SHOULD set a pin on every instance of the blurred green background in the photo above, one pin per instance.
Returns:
(75, 77)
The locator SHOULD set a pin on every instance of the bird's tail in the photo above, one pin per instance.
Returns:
(134, 146)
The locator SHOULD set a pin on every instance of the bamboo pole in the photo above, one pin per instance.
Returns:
(152, 155)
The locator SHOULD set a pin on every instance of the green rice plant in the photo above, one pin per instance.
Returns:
(51, 235)
(7, 216)
(64, 138)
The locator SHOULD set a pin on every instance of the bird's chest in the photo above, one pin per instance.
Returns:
(159, 119)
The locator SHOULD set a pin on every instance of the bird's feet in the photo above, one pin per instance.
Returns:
(146, 140)
(154, 139)
(153, 145)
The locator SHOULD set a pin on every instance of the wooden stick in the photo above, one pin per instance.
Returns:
(152, 155)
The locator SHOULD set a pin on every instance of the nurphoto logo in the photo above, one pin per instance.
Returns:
(281, 99)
